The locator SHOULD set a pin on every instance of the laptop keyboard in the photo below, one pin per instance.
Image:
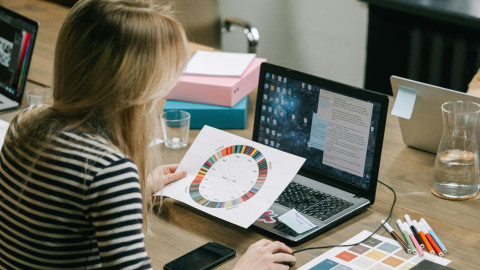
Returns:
(311, 202)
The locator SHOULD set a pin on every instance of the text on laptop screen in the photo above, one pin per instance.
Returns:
(16, 45)
(334, 132)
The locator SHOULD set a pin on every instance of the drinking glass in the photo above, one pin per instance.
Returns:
(175, 125)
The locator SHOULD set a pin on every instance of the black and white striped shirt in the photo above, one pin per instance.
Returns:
(79, 207)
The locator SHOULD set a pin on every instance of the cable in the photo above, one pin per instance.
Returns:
(38, 83)
(381, 225)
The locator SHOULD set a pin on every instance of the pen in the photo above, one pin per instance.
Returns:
(424, 238)
(430, 239)
(407, 238)
(414, 241)
(435, 237)
(414, 230)
(396, 237)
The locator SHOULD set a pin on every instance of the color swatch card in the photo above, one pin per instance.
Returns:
(231, 177)
(377, 253)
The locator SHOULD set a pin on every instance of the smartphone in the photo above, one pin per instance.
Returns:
(202, 258)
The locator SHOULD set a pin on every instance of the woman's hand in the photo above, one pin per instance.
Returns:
(162, 176)
(266, 254)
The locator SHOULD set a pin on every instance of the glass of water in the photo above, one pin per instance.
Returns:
(175, 125)
(456, 165)
(39, 96)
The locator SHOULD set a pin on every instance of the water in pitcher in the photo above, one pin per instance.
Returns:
(456, 175)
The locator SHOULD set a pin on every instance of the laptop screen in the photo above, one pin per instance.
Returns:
(17, 37)
(337, 128)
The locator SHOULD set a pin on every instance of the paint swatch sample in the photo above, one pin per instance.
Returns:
(376, 253)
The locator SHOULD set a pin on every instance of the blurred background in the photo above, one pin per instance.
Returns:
(357, 42)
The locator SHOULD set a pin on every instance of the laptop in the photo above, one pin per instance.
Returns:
(338, 128)
(427, 112)
(17, 39)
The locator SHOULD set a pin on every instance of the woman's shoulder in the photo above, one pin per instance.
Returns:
(37, 128)
(63, 136)
(19, 131)
(96, 154)
(87, 144)
(28, 112)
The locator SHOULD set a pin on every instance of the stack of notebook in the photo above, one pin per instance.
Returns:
(214, 89)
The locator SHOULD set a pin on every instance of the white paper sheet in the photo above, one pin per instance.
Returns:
(232, 178)
(215, 63)
(296, 221)
(3, 131)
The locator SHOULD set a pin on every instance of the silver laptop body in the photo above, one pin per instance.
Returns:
(424, 128)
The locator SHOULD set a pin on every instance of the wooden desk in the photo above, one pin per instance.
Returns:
(178, 229)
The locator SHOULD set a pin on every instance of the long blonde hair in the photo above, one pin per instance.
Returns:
(114, 60)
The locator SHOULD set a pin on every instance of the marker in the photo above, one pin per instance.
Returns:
(424, 238)
(430, 239)
(414, 230)
(396, 236)
(414, 240)
(407, 238)
(432, 233)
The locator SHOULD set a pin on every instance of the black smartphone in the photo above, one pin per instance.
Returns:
(202, 258)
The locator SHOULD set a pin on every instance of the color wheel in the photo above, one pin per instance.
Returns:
(229, 177)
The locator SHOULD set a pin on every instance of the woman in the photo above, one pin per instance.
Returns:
(76, 176)
(474, 85)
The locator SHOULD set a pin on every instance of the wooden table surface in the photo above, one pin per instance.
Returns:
(177, 229)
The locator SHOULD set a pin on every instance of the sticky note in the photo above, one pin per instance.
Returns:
(404, 102)
(296, 221)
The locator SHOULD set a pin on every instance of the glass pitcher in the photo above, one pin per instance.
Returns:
(455, 174)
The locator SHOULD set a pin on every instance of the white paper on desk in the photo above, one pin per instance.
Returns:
(404, 102)
(3, 131)
(215, 63)
(232, 178)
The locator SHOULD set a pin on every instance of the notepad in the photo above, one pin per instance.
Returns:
(215, 63)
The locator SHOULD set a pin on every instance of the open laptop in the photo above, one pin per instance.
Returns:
(17, 39)
(427, 112)
(338, 128)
